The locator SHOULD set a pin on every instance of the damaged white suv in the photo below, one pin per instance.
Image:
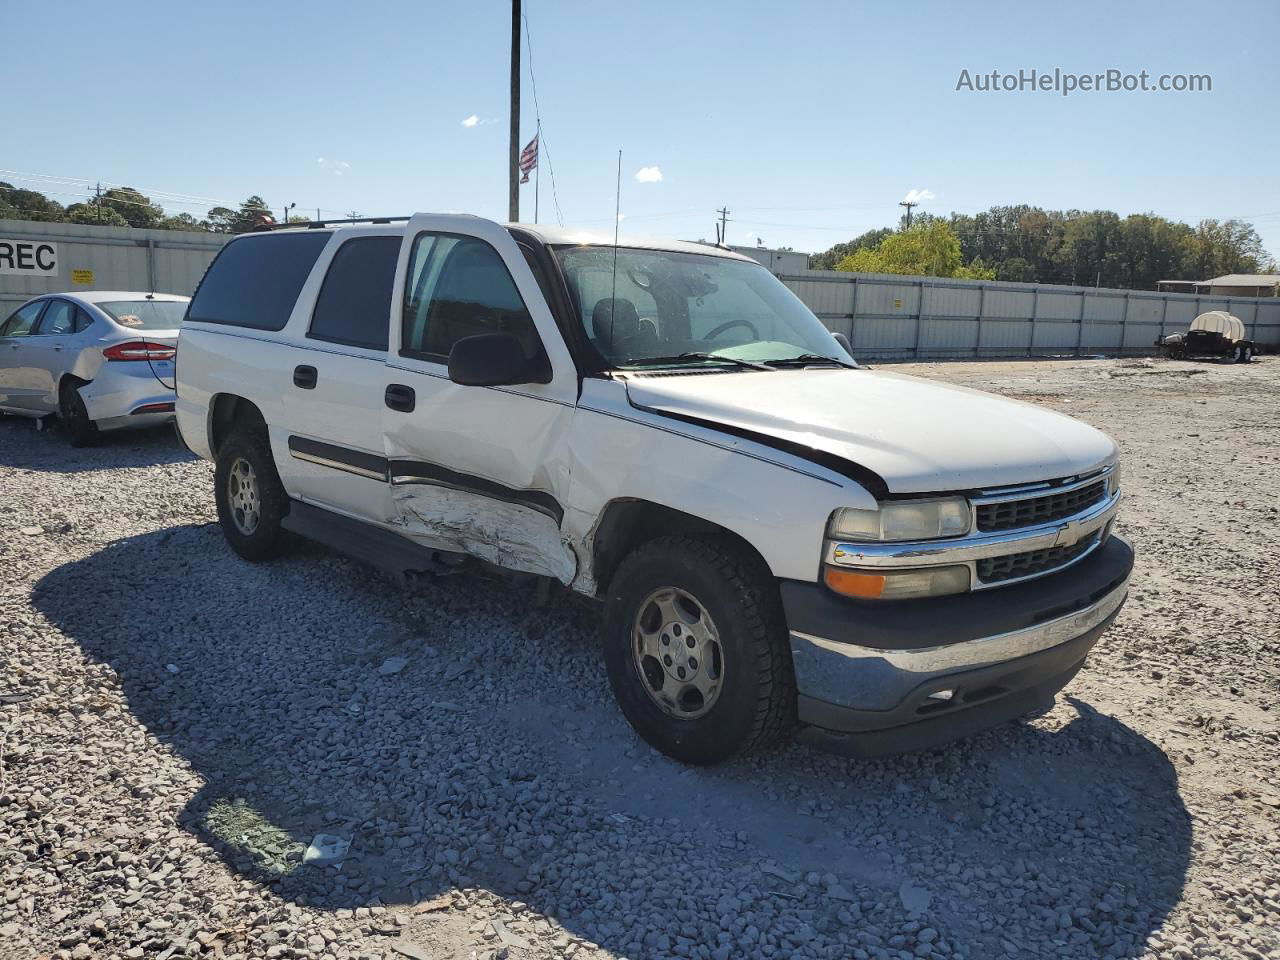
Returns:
(782, 540)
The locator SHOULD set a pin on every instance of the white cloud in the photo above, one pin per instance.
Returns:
(917, 196)
(648, 175)
(621, 217)
(336, 167)
(471, 121)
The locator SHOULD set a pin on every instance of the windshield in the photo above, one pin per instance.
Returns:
(145, 314)
(661, 305)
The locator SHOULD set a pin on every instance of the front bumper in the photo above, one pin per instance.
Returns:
(884, 677)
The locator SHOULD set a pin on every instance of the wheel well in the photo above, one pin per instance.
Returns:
(225, 412)
(626, 524)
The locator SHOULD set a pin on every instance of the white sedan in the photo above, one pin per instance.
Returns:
(101, 361)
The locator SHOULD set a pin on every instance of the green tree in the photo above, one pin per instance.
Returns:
(931, 249)
(252, 213)
(19, 204)
(136, 209)
(184, 221)
(828, 259)
(91, 213)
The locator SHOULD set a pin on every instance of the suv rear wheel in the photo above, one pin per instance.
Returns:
(251, 500)
(696, 649)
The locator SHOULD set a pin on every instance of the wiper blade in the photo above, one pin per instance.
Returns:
(682, 357)
(808, 359)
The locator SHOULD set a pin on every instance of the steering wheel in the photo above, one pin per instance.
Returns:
(729, 325)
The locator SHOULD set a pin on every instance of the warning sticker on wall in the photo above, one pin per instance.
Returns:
(82, 276)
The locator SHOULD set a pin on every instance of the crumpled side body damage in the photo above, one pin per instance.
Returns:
(508, 535)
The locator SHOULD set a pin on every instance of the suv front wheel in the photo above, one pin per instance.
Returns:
(251, 500)
(696, 649)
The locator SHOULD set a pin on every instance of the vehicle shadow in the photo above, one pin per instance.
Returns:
(464, 737)
(47, 450)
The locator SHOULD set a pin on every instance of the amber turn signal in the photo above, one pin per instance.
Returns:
(868, 586)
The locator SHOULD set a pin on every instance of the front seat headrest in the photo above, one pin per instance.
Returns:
(615, 320)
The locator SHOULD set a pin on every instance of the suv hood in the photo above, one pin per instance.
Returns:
(918, 435)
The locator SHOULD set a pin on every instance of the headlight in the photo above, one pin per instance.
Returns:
(904, 520)
(897, 584)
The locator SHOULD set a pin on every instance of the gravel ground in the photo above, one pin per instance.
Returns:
(193, 722)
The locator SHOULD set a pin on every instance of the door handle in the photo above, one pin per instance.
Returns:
(304, 377)
(57, 346)
(399, 397)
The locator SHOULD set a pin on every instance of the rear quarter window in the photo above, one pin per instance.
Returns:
(254, 282)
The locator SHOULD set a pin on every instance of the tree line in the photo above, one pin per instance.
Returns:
(127, 207)
(1029, 244)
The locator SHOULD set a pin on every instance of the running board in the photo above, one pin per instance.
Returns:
(389, 552)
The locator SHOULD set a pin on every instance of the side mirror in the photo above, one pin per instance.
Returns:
(489, 360)
(841, 339)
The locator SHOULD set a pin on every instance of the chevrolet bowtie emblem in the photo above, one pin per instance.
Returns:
(1068, 534)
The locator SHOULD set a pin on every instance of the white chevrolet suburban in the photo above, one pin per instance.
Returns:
(782, 540)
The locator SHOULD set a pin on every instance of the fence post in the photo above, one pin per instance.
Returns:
(1035, 308)
(1080, 328)
(151, 265)
(924, 289)
(982, 305)
(853, 314)
(1164, 315)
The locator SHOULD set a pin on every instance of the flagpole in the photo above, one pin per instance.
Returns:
(537, 178)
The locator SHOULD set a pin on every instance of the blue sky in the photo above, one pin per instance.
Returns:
(810, 120)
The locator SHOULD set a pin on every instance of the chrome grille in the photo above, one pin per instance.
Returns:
(1034, 510)
(1017, 565)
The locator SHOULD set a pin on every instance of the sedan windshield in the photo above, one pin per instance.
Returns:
(663, 308)
(145, 314)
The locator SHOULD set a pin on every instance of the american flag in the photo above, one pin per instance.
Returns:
(529, 158)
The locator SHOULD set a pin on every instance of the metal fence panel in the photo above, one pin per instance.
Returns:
(109, 258)
(892, 316)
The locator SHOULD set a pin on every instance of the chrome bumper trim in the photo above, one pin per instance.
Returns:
(868, 678)
(1059, 533)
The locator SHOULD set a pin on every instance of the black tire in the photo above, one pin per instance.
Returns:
(754, 706)
(1237, 355)
(261, 539)
(1248, 355)
(74, 416)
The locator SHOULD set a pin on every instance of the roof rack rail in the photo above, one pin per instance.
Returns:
(321, 224)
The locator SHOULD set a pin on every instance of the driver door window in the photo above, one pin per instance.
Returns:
(20, 324)
(459, 287)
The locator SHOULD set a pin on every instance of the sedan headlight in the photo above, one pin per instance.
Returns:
(904, 520)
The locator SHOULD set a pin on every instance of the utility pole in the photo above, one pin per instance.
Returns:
(353, 214)
(908, 204)
(724, 219)
(287, 208)
(97, 199)
(513, 151)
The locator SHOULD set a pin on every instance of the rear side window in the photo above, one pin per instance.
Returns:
(354, 306)
(254, 282)
(83, 321)
(59, 318)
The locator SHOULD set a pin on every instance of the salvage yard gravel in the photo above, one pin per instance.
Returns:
(200, 757)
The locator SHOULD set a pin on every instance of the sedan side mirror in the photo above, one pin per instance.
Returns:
(490, 360)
